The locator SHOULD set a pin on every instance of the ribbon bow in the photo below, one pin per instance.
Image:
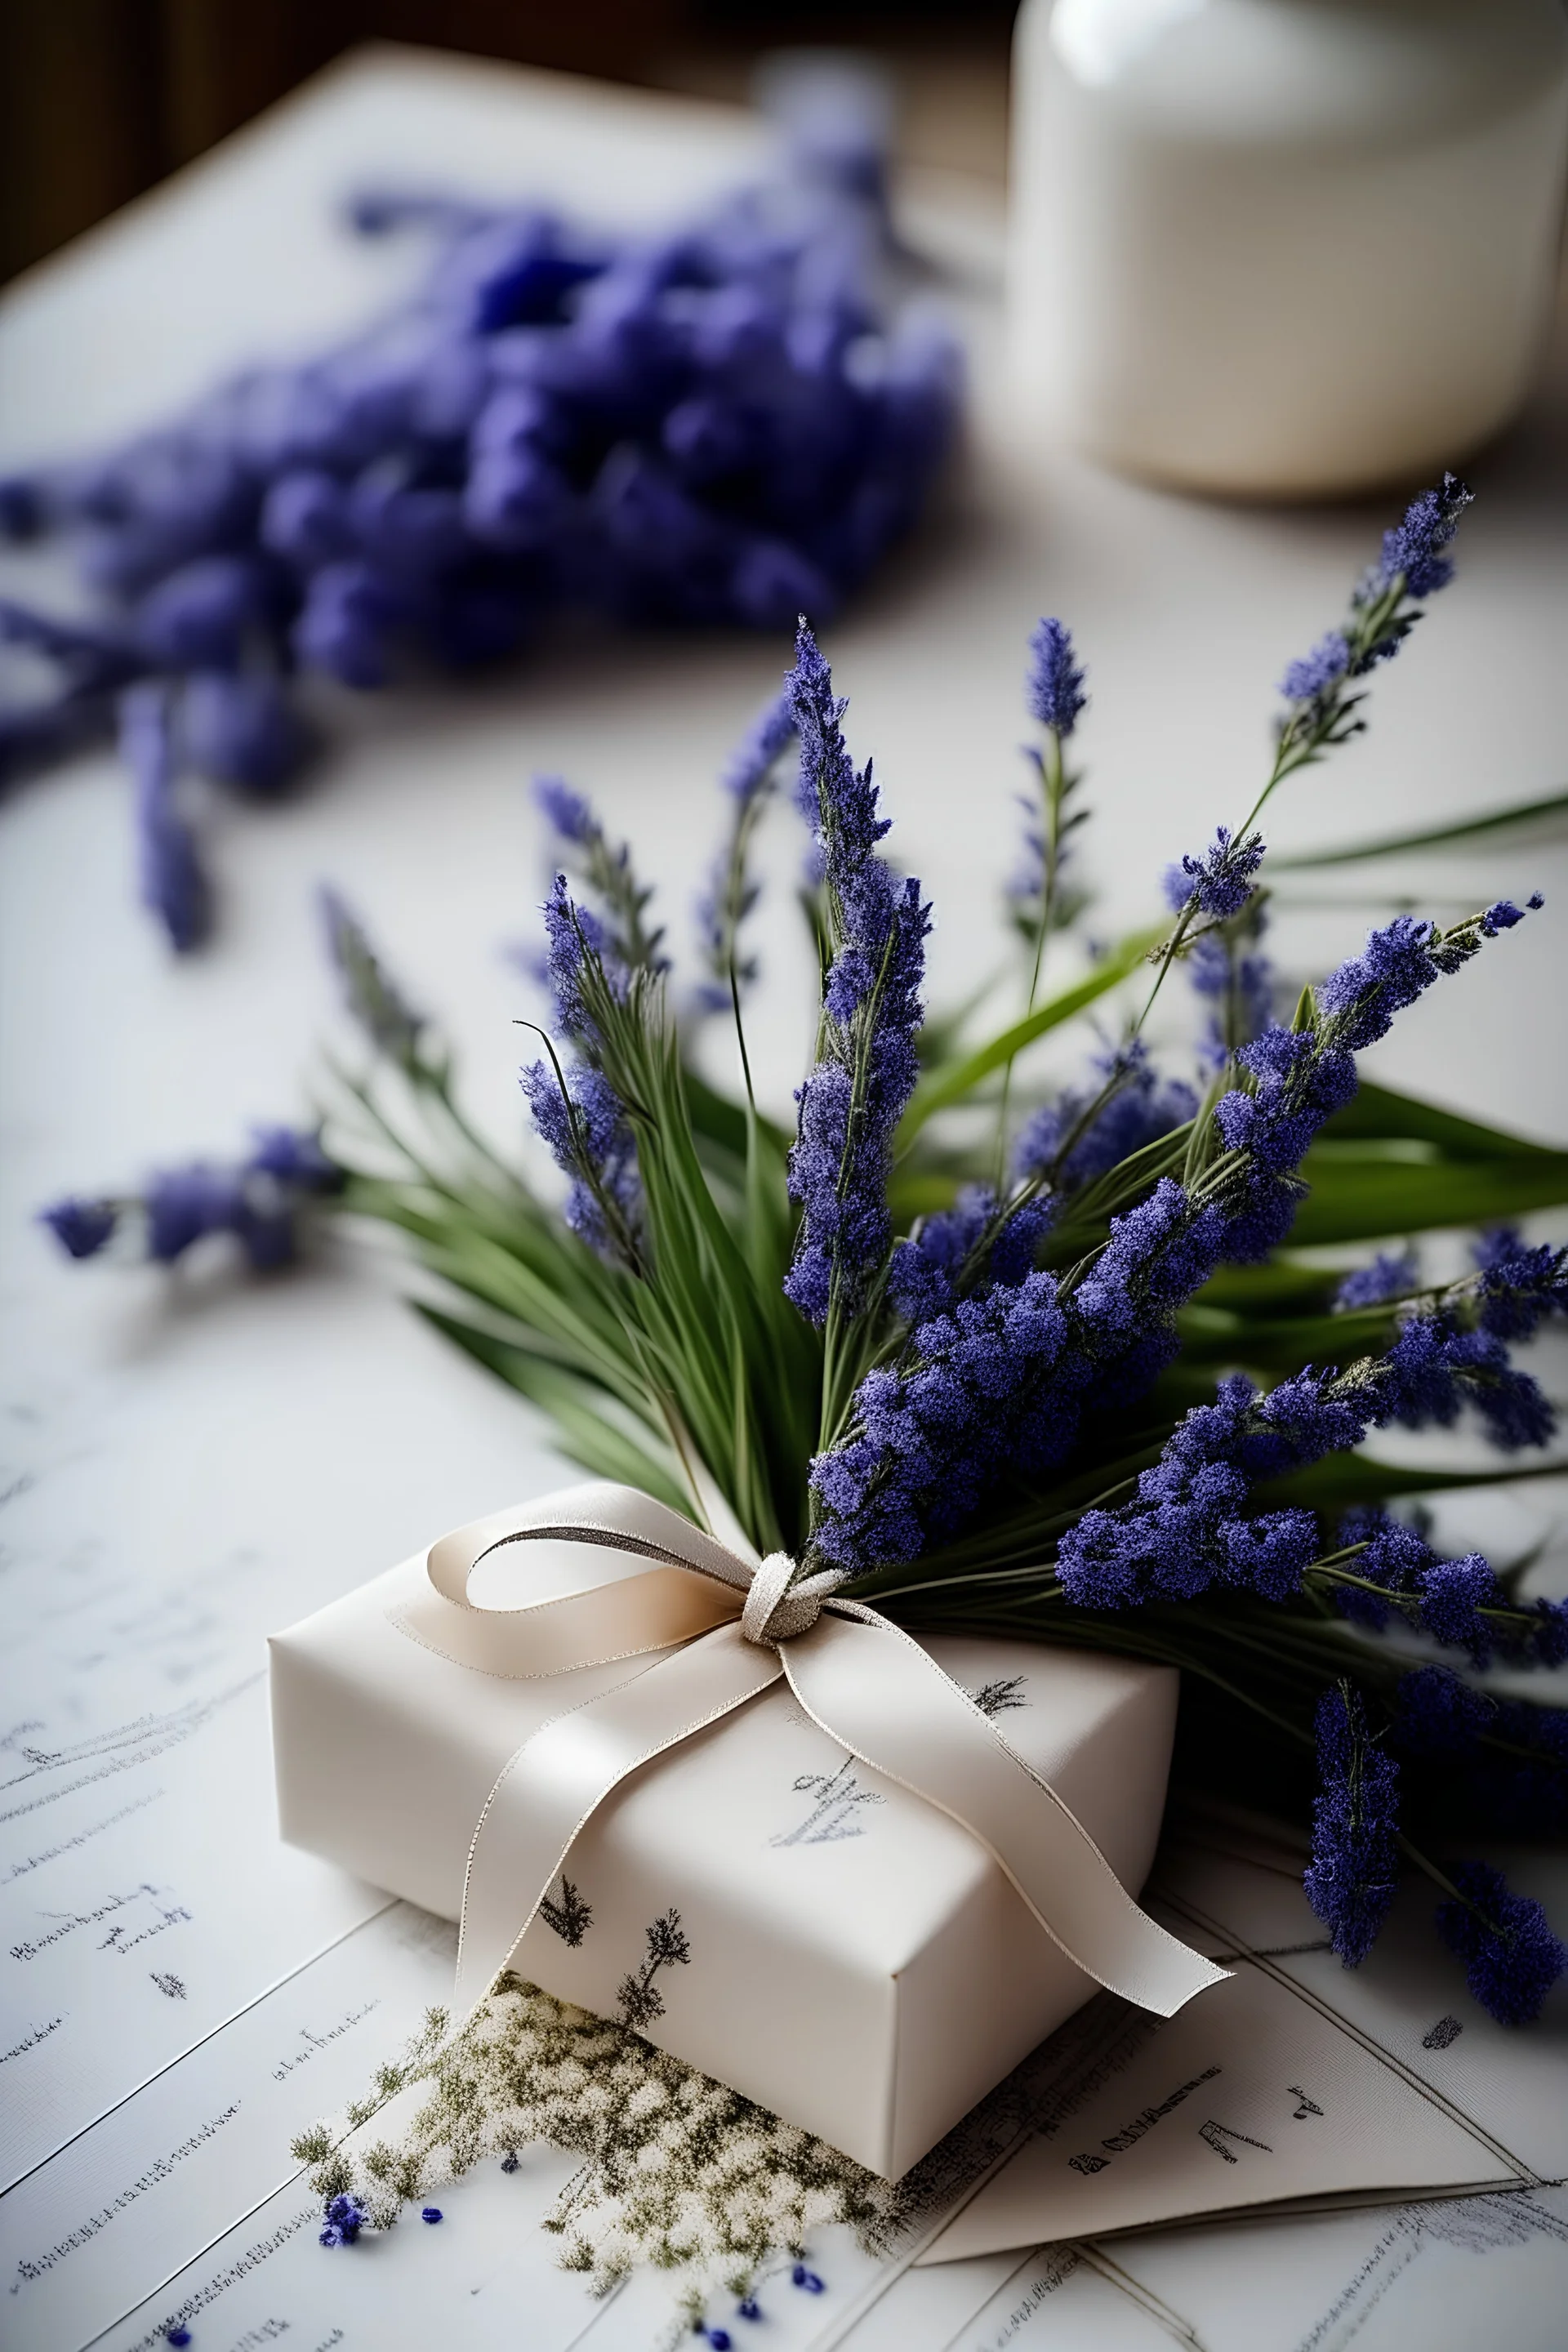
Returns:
(728, 1630)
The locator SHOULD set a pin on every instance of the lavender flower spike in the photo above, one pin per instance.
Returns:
(1511, 1957)
(591, 1141)
(851, 1103)
(1413, 550)
(1320, 671)
(1219, 882)
(1354, 1868)
(761, 748)
(1054, 687)
(375, 1002)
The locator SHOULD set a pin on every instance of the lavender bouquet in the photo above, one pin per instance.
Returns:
(1053, 1367)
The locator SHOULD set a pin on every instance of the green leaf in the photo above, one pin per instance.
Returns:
(1346, 1479)
(946, 1087)
(585, 1433)
(1357, 1200)
(1378, 1112)
(1442, 837)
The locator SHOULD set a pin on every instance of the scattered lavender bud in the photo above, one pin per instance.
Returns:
(81, 1228)
(173, 882)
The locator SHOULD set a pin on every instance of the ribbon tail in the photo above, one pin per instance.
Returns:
(878, 1694)
(550, 1788)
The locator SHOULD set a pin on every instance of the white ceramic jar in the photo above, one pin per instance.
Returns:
(1285, 248)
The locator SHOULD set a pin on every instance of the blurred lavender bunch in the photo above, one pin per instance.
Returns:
(264, 1201)
(719, 424)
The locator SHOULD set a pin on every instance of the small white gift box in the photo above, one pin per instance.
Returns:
(755, 1900)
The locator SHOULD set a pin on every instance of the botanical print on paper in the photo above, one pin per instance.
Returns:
(570, 1917)
(836, 1813)
(999, 1697)
(637, 1997)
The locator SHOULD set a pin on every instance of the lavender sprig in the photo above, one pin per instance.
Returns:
(606, 869)
(1384, 607)
(850, 1104)
(263, 1201)
(1353, 1875)
(581, 1120)
(1511, 1957)
(373, 999)
(730, 893)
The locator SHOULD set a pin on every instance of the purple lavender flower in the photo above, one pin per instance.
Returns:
(184, 1205)
(976, 1398)
(1053, 691)
(1141, 1107)
(305, 520)
(1413, 550)
(173, 882)
(574, 938)
(1159, 1253)
(852, 1101)
(617, 933)
(567, 812)
(1434, 1368)
(1382, 612)
(1354, 1870)
(343, 2220)
(730, 894)
(242, 730)
(1504, 914)
(198, 617)
(81, 1228)
(1397, 966)
(1520, 1287)
(345, 626)
(1236, 980)
(1388, 1277)
(978, 1241)
(1459, 1604)
(257, 1200)
(1187, 1531)
(1298, 1082)
(750, 766)
(1437, 1713)
(591, 1141)
(1219, 882)
(1453, 1592)
(1511, 1957)
(391, 1023)
(1391, 1559)
(1191, 1525)
(1320, 671)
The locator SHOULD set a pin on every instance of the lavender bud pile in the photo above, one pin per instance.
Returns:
(715, 425)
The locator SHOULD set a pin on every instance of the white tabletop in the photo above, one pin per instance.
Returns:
(166, 1442)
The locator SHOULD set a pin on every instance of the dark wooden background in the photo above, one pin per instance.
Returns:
(99, 98)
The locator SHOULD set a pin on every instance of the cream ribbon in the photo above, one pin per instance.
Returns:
(739, 1628)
